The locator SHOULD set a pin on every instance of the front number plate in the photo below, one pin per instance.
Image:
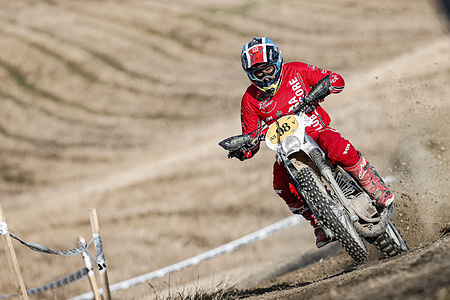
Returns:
(281, 128)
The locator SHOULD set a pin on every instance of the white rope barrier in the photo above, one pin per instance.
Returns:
(22, 293)
(75, 276)
(41, 248)
(229, 247)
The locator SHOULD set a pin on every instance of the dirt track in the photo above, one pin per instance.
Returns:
(120, 106)
(421, 274)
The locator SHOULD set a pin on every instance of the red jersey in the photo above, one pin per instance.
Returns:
(297, 80)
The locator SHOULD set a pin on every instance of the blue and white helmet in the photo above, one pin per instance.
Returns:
(257, 55)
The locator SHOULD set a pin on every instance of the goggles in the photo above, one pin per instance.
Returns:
(264, 73)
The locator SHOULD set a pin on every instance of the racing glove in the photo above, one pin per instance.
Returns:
(240, 153)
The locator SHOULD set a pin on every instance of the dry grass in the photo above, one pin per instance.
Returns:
(120, 106)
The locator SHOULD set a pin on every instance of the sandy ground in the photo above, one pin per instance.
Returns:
(119, 106)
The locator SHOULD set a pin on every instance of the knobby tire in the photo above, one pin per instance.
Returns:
(387, 244)
(314, 191)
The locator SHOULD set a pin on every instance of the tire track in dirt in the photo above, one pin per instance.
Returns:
(161, 164)
(147, 69)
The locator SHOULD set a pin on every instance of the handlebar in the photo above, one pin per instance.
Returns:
(319, 91)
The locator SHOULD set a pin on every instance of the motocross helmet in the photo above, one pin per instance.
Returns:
(257, 55)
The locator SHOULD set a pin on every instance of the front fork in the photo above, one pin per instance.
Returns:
(318, 158)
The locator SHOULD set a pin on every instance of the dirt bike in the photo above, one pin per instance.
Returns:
(342, 207)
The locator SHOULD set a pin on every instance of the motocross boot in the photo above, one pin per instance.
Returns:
(371, 182)
(322, 238)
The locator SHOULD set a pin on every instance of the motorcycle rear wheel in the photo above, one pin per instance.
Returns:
(390, 243)
(336, 220)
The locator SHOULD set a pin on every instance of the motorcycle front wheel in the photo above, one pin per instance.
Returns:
(330, 213)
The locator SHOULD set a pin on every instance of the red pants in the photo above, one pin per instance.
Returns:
(338, 149)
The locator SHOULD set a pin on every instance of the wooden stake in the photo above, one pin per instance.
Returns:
(99, 251)
(88, 264)
(14, 265)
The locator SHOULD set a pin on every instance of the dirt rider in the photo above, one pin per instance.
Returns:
(276, 89)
